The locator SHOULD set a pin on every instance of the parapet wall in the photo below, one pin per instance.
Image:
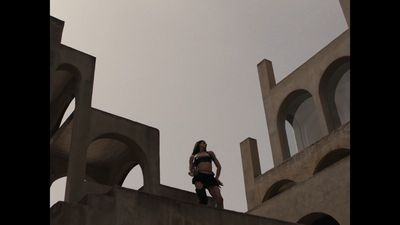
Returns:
(124, 206)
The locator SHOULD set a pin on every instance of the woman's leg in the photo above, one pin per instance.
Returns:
(216, 194)
(201, 193)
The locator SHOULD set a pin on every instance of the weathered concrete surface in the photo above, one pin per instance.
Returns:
(316, 178)
(182, 195)
(345, 4)
(306, 78)
(114, 146)
(327, 191)
(298, 168)
(124, 206)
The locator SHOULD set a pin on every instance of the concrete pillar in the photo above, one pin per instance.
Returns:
(251, 169)
(345, 4)
(319, 110)
(266, 76)
(250, 161)
(76, 173)
(267, 83)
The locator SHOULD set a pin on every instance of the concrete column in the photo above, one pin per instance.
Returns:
(345, 4)
(266, 76)
(77, 157)
(251, 169)
(325, 126)
(278, 140)
(267, 83)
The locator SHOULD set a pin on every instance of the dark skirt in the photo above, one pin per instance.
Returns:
(208, 180)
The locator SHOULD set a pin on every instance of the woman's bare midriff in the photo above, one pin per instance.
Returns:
(204, 167)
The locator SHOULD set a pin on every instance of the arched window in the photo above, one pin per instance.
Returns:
(298, 122)
(331, 158)
(318, 219)
(334, 90)
(277, 188)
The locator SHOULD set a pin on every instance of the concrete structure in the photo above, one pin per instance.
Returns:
(122, 206)
(309, 129)
(95, 150)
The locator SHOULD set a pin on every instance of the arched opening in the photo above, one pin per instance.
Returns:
(110, 159)
(334, 90)
(57, 190)
(331, 158)
(342, 97)
(134, 179)
(63, 85)
(278, 188)
(298, 123)
(103, 156)
(318, 219)
(291, 137)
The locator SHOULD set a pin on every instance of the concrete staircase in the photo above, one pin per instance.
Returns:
(122, 206)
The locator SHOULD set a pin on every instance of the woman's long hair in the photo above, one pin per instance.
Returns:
(196, 148)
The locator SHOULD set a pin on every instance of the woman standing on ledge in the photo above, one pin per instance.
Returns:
(200, 168)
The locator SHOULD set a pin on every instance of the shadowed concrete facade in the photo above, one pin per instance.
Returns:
(96, 150)
(92, 144)
(312, 184)
(126, 206)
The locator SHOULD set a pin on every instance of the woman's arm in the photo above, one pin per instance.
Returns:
(216, 163)
(191, 169)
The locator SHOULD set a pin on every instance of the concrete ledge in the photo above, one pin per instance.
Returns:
(124, 206)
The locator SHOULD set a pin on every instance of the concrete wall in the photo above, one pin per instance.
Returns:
(327, 192)
(182, 195)
(123, 207)
(298, 168)
(293, 189)
(141, 139)
(164, 191)
(68, 62)
(306, 78)
(72, 76)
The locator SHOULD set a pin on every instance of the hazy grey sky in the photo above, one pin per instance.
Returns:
(188, 68)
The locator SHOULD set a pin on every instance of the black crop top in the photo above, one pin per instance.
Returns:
(197, 160)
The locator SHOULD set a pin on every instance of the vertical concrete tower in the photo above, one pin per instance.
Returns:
(308, 118)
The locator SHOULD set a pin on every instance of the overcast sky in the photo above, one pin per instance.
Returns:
(189, 69)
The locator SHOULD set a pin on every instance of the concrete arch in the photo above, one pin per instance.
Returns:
(331, 158)
(130, 159)
(318, 218)
(71, 69)
(296, 108)
(327, 87)
(144, 141)
(63, 89)
(277, 188)
(64, 79)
